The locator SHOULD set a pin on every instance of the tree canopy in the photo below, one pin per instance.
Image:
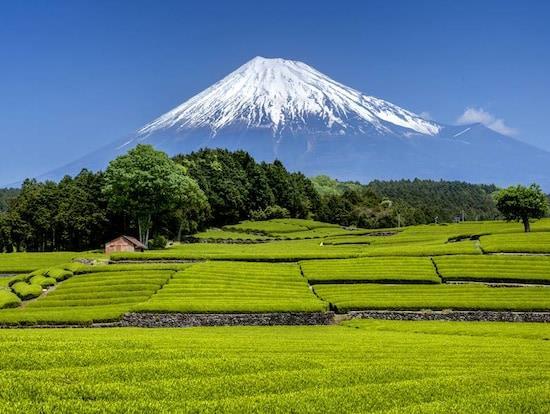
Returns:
(522, 203)
(145, 182)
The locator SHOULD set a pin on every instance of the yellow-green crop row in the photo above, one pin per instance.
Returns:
(346, 297)
(90, 298)
(495, 268)
(235, 287)
(371, 269)
(534, 242)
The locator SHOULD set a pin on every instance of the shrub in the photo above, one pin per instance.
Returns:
(8, 299)
(59, 274)
(43, 281)
(270, 212)
(26, 290)
(158, 243)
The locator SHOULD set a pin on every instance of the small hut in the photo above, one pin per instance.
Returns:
(124, 244)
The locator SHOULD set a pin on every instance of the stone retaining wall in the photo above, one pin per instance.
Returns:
(493, 316)
(177, 320)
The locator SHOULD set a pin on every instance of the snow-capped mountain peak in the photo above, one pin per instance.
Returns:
(288, 96)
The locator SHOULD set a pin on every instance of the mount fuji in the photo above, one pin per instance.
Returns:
(284, 109)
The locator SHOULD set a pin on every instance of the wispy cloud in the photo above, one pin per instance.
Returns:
(479, 115)
(426, 115)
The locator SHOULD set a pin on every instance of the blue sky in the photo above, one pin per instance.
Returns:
(77, 75)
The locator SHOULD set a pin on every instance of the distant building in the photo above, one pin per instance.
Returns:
(124, 244)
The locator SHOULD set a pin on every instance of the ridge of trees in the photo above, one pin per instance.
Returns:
(80, 212)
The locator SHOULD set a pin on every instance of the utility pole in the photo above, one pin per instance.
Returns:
(398, 220)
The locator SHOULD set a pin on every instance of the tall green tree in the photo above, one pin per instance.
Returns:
(146, 182)
(522, 203)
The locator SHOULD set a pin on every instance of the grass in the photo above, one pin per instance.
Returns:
(88, 298)
(534, 242)
(28, 262)
(386, 269)
(229, 287)
(366, 366)
(497, 268)
(435, 297)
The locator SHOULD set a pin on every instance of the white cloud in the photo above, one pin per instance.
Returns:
(426, 115)
(479, 115)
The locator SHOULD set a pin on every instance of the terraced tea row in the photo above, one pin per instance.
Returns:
(28, 262)
(90, 297)
(534, 242)
(522, 269)
(365, 366)
(387, 269)
(345, 297)
(230, 287)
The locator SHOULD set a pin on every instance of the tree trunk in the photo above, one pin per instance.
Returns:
(180, 229)
(526, 224)
(144, 224)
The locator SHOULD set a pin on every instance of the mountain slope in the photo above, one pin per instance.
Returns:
(276, 108)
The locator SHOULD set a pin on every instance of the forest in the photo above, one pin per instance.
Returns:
(78, 212)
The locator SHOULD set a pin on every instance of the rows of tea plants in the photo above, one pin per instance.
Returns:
(495, 268)
(283, 251)
(90, 297)
(364, 366)
(345, 297)
(371, 269)
(235, 287)
(534, 242)
(214, 235)
(79, 268)
(28, 262)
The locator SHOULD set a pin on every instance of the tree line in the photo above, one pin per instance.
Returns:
(147, 194)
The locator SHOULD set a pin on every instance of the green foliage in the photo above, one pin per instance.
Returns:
(28, 262)
(223, 235)
(158, 243)
(59, 274)
(26, 290)
(236, 185)
(43, 281)
(416, 202)
(386, 269)
(365, 366)
(496, 268)
(71, 214)
(460, 296)
(522, 203)
(229, 287)
(270, 212)
(533, 242)
(126, 267)
(146, 182)
(8, 299)
(88, 298)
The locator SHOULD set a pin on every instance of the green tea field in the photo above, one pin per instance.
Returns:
(359, 367)
(298, 268)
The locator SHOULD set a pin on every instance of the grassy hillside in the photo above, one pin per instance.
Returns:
(345, 269)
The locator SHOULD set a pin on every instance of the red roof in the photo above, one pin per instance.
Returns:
(131, 240)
